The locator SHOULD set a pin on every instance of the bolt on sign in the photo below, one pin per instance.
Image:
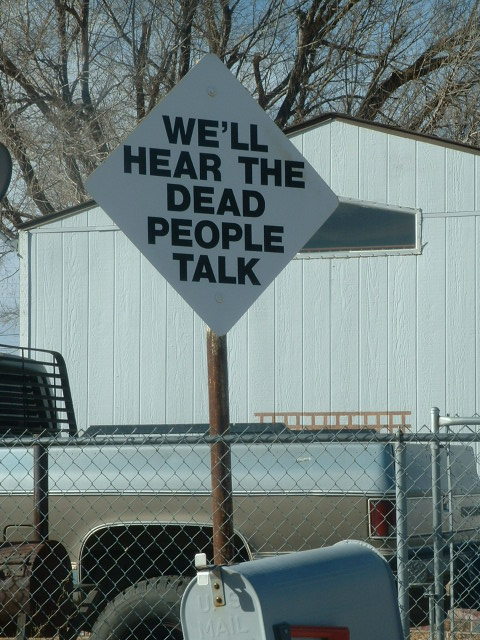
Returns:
(213, 194)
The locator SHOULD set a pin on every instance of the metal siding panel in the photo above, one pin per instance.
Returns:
(75, 325)
(401, 171)
(344, 335)
(401, 287)
(373, 152)
(345, 159)
(179, 369)
(261, 353)
(238, 370)
(317, 150)
(288, 338)
(98, 218)
(431, 284)
(460, 172)
(430, 177)
(50, 287)
(402, 341)
(460, 320)
(77, 220)
(126, 336)
(53, 224)
(316, 335)
(101, 362)
(152, 345)
(297, 142)
(373, 334)
(25, 300)
(200, 376)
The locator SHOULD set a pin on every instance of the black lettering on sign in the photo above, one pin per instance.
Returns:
(272, 239)
(185, 166)
(223, 277)
(234, 141)
(247, 197)
(129, 158)
(228, 203)
(275, 172)
(245, 270)
(204, 167)
(156, 227)
(248, 167)
(294, 173)
(178, 197)
(202, 199)
(208, 235)
(207, 132)
(181, 232)
(210, 163)
(288, 173)
(157, 162)
(249, 244)
(183, 259)
(203, 269)
(231, 232)
(254, 144)
(211, 238)
(179, 130)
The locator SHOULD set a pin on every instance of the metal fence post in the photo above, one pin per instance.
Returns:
(402, 534)
(431, 611)
(451, 524)
(438, 541)
(40, 492)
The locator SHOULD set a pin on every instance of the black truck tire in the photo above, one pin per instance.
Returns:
(146, 610)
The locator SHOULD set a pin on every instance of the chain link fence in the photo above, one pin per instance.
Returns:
(100, 530)
(128, 512)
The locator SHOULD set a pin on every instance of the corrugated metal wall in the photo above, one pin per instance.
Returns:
(330, 334)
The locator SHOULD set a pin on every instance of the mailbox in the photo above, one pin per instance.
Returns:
(343, 592)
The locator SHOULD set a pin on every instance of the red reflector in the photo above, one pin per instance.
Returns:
(320, 633)
(382, 518)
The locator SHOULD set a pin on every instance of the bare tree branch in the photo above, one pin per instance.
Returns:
(78, 75)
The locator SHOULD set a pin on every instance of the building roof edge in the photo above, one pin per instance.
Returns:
(326, 117)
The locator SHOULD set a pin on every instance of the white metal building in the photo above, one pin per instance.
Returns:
(378, 330)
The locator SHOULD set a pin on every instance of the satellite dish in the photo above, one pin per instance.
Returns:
(5, 169)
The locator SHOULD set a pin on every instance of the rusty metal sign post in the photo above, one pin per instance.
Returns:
(222, 503)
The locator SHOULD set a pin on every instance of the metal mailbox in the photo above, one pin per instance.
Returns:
(343, 592)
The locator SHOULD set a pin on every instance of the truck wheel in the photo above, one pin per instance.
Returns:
(146, 610)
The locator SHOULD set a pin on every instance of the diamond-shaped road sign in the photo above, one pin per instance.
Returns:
(213, 194)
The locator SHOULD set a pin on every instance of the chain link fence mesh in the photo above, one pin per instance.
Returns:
(131, 511)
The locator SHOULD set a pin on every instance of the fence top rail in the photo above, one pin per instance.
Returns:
(302, 437)
(446, 421)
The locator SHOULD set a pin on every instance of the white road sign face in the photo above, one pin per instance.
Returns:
(213, 194)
